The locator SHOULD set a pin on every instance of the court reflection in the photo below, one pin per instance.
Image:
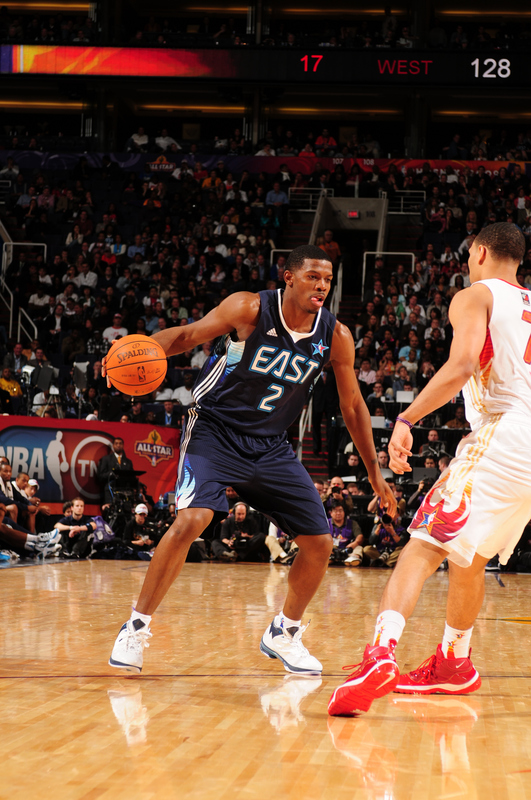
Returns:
(130, 713)
(281, 702)
(386, 770)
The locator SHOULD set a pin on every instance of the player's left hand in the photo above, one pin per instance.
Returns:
(104, 367)
(400, 449)
(385, 493)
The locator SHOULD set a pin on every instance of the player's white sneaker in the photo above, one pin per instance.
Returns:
(128, 650)
(286, 644)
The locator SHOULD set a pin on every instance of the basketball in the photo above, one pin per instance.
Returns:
(136, 365)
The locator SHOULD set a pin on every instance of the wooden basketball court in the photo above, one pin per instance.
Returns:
(211, 717)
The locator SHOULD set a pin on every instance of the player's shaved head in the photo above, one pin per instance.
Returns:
(504, 240)
(307, 252)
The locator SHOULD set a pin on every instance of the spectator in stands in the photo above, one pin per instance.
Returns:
(355, 466)
(183, 394)
(165, 141)
(331, 247)
(367, 375)
(116, 330)
(170, 416)
(138, 142)
(277, 199)
(325, 144)
(266, 150)
(203, 355)
(459, 420)
(383, 459)
(16, 360)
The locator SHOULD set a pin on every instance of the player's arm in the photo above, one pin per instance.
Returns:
(239, 312)
(355, 412)
(469, 314)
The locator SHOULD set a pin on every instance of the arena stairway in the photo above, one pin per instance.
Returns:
(296, 232)
(404, 233)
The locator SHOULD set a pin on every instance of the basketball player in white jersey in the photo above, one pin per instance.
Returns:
(481, 503)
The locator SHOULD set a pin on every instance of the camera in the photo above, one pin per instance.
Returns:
(386, 519)
(336, 489)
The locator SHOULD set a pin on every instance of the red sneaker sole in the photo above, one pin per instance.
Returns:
(439, 689)
(351, 699)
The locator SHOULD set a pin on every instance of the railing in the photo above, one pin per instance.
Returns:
(403, 201)
(337, 294)
(9, 249)
(304, 199)
(305, 424)
(30, 331)
(278, 251)
(383, 253)
(6, 296)
(317, 218)
(5, 188)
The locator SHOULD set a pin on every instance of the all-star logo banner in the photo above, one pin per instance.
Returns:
(63, 455)
(154, 448)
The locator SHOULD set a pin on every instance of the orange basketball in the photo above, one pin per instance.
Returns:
(136, 364)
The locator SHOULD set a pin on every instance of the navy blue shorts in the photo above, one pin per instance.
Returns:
(264, 471)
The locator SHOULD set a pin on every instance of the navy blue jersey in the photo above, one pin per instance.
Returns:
(259, 386)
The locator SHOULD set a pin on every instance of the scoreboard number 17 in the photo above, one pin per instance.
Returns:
(311, 66)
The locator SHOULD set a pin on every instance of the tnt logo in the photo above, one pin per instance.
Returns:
(141, 374)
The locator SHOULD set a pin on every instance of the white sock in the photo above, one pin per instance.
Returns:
(389, 625)
(145, 618)
(286, 623)
(31, 541)
(456, 643)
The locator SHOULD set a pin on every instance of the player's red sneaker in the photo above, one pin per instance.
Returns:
(441, 675)
(376, 676)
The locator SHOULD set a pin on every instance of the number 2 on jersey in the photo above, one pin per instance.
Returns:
(526, 316)
(276, 392)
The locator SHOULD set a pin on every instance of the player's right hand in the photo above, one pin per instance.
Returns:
(400, 449)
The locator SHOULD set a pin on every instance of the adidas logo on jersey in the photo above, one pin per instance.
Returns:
(272, 332)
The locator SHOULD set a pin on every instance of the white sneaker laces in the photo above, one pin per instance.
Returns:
(137, 640)
(296, 640)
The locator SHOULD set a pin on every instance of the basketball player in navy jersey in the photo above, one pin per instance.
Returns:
(271, 348)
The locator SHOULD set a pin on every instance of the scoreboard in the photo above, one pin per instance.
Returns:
(279, 65)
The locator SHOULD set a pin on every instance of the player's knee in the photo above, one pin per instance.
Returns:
(318, 547)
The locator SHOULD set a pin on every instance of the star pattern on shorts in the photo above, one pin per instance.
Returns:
(428, 520)
(319, 349)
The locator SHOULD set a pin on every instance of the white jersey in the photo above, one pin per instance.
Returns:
(501, 383)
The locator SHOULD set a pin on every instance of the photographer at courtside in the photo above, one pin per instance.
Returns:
(386, 542)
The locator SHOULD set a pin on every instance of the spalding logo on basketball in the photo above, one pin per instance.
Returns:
(136, 365)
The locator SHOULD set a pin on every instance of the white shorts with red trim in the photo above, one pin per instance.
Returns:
(482, 502)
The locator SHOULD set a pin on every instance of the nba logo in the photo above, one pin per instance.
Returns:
(525, 298)
(141, 374)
